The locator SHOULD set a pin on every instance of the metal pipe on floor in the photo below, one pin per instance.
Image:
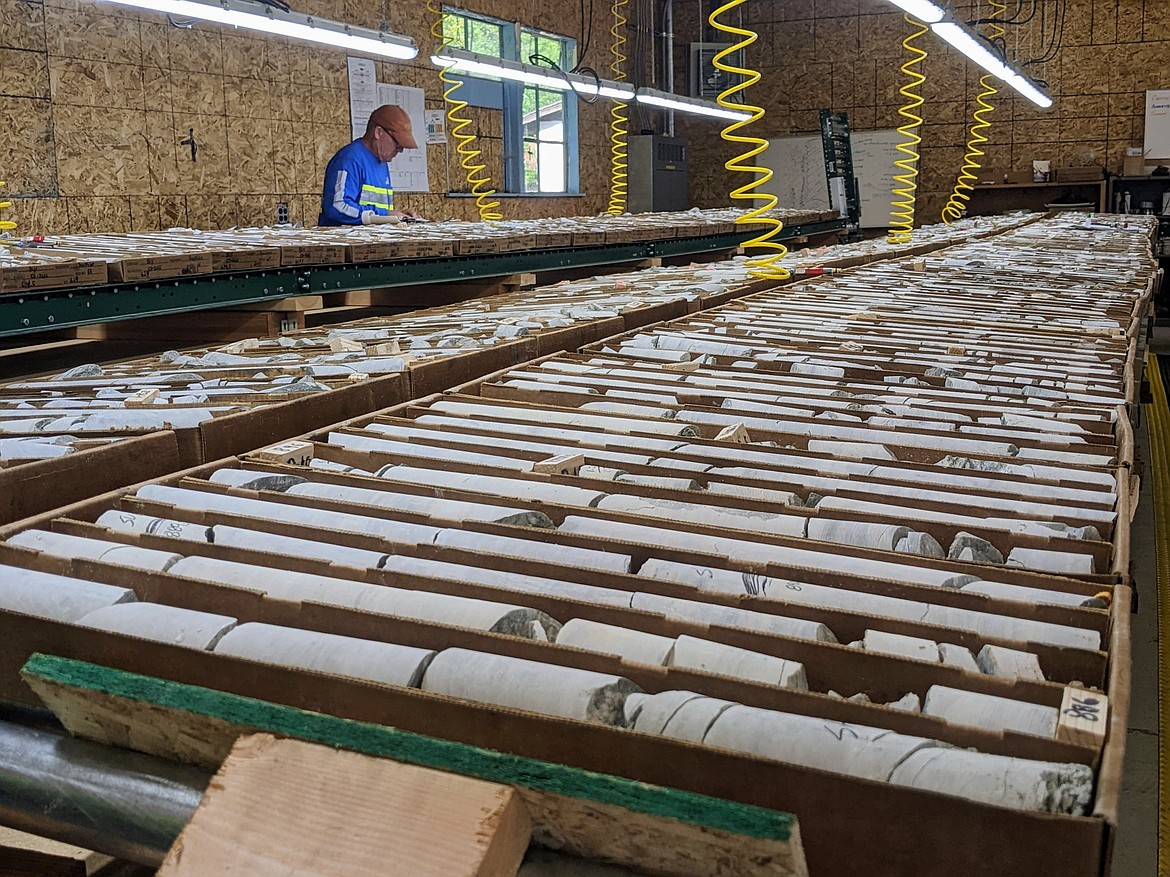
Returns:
(121, 803)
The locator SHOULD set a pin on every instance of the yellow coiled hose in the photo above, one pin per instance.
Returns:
(766, 266)
(479, 182)
(957, 205)
(5, 224)
(906, 182)
(618, 119)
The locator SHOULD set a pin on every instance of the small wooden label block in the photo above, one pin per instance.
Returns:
(338, 344)
(142, 398)
(241, 346)
(293, 453)
(736, 433)
(956, 350)
(687, 366)
(357, 377)
(384, 348)
(1083, 717)
(563, 464)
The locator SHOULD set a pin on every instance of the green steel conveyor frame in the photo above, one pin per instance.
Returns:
(46, 309)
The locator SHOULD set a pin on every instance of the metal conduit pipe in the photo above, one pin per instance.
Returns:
(121, 803)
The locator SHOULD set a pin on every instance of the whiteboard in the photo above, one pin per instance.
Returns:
(798, 168)
(1157, 143)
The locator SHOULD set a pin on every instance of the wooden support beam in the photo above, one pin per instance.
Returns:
(296, 303)
(280, 807)
(203, 326)
(519, 281)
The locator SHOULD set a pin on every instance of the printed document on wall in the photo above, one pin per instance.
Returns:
(366, 94)
(409, 170)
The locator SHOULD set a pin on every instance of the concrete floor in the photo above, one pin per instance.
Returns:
(1136, 852)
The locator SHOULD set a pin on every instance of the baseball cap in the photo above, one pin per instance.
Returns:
(397, 122)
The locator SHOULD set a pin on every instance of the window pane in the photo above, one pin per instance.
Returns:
(531, 168)
(552, 131)
(552, 125)
(550, 48)
(453, 30)
(549, 100)
(552, 167)
(531, 122)
(527, 45)
(485, 38)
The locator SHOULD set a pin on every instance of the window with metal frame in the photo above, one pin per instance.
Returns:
(539, 124)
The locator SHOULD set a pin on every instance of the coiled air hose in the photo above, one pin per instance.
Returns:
(906, 182)
(957, 205)
(479, 182)
(618, 119)
(6, 224)
(765, 266)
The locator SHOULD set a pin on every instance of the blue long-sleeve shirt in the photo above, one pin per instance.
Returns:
(357, 186)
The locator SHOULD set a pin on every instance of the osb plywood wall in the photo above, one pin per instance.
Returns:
(845, 54)
(95, 99)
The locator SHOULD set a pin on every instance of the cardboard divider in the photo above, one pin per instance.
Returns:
(1110, 774)
(36, 487)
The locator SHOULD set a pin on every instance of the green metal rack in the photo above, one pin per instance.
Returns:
(42, 310)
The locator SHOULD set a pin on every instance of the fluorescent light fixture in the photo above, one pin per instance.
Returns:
(980, 51)
(923, 10)
(1024, 86)
(474, 64)
(294, 25)
(971, 46)
(682, 104)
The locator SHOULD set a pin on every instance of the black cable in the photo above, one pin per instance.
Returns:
(586, 36)
(1015, 19)
(1054, 45)
(542, 60)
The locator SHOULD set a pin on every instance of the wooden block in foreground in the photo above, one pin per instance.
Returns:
(279, 806)
(591, 815)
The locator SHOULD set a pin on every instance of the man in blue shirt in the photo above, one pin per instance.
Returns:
(357, 187)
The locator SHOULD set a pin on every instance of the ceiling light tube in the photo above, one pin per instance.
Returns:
(923, 10)
(682, 104)
(294, 25)
(979, 51)
(971, 46)
(474, 64)
(1025, 87)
